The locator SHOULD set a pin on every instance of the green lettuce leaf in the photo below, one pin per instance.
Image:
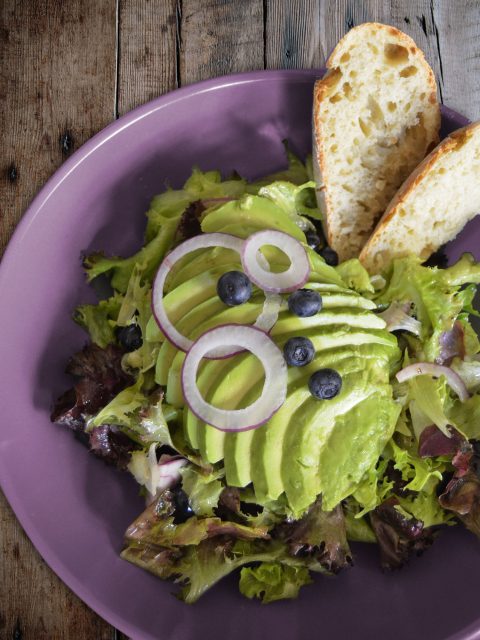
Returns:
(201, 185)
(435, 293)
(137, 308)
(426, 507)
(355, 276)
(357, 528)
(199, 551)
(420, 474)
(122, 410)
(295, 200)
(120, 269)
(429, 402)
(469, 371)
(272, 581)
(373, 489)
(203, 489)
(100, 319)
(199, 567)
(466, 417)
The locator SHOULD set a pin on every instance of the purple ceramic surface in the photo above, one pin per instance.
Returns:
(73, 507)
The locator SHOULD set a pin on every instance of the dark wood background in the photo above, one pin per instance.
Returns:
(68, 68)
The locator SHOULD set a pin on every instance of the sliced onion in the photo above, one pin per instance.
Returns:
(265, 320)
(155, 476)
(398, 318)
(166, 473)
(274, 391)
(291, 279)
(436, 370)
(269, 313)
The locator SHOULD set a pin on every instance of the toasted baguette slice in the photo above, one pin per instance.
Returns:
(433, 205)
(375, 117)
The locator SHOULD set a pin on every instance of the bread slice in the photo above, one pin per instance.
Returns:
(433, 205)
(375, 117)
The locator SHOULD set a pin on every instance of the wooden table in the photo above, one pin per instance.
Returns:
(69, 68)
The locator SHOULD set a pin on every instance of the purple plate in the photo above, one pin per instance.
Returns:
(73, 507)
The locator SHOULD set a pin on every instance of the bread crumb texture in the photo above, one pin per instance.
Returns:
(376, 116)
(433, 206)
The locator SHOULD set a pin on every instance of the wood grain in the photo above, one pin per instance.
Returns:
(217, 37)
(292, 35)
(68, 68)
(57, 81)
(147, 46)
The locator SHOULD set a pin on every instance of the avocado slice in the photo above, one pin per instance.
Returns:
(241, 385)
(250, 214)
(271, 446)
(210, 375)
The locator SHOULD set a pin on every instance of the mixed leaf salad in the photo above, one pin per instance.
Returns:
(272, 404)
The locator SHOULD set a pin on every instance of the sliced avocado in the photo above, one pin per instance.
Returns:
(198, 319)
(369, 439)
(209, 378)
(153, 333)
(310, 433)
(190, 294)
(269, 446)
(351, 317)
(248, 215)
(207, 309)
(340, 297)
(238, 458)
(241, 385)
(210, 314)
(192, 264)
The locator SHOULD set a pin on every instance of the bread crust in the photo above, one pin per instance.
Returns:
(322, 89)
(452, 142)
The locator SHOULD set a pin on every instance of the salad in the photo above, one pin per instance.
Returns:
(273, 405)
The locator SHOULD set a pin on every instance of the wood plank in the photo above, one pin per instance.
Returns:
(449, 34)
(217, 37)
(57, 83)
(57, 78)
(292, 34)
(147, 60)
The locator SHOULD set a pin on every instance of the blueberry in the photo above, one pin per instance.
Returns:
(325, 384)
(329, 255)
(298, 351)
(305, 303)
(234, 288)
(183, 510)
(312, 238)
(130, 337)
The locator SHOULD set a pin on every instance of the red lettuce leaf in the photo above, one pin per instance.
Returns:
(462, 493)
(435, 443)
(452, 344)
(398, 537)
(319, 535)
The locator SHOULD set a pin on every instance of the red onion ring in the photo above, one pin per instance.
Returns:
(291, 279)
(274, 391)
(436, 370)
(265, 320)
